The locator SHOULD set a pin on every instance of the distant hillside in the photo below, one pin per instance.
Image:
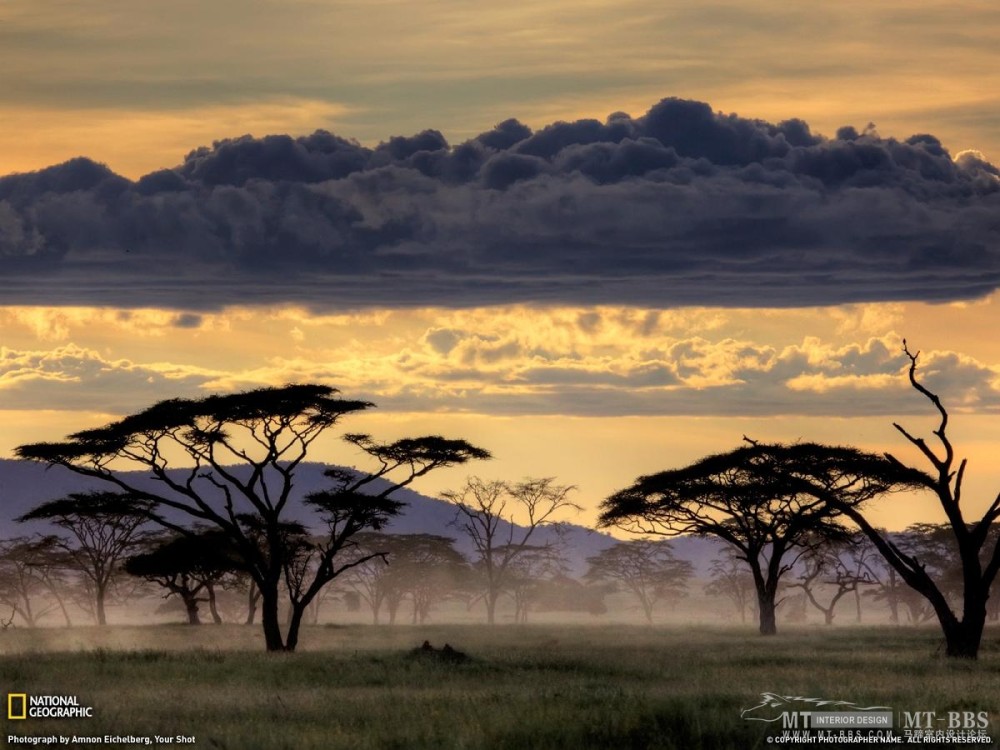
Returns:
(23, 485)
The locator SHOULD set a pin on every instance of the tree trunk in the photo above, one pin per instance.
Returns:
(491, 607)
(191, 605)
(963, 638)
(271, 621)
(252, 597)
(102, 618)
(294, 623)
(65, 612)
(647, 607)
(27, 614)
(212, 604)
(521, 606)
(767, 609)
(767, 592)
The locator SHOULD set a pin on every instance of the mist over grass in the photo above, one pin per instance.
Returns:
(538, 686)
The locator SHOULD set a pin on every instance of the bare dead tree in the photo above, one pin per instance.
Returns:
(976, 547)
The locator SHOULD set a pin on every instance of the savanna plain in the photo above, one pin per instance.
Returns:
(526, 686)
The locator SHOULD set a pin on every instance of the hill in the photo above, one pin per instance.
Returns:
(23, 485)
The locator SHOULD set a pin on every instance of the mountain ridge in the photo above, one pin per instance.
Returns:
(25, 484)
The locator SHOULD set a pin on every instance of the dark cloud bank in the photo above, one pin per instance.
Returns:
(679, 206)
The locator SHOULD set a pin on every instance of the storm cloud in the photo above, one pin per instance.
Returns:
(681, 206)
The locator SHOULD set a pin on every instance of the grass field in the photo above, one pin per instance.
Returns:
(523, 687)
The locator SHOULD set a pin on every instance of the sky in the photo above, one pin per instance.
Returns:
(598, 239)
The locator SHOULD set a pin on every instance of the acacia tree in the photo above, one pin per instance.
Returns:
(974, 545)
(647, 568)
(731, 579)
(103, 528)
(825, 566)
(861, 560)
(486, 514)
(30, 577)
(224, 459)
(423, 567)
(369, 578)
(531, 568)
(748, 499)
(187, 566)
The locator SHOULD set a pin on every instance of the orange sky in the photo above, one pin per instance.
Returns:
(138, 85)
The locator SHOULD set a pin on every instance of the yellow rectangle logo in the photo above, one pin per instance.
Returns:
(17, 705)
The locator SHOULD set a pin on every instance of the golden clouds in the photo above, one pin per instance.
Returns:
(516, 360)
(503, 362)
(60, 323)
(825, 383)
(593, 395)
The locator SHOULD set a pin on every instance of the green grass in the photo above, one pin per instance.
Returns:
(524, 687)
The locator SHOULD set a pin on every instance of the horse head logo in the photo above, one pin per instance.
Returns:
(773, 706)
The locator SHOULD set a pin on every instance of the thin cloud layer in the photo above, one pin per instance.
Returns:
(73, 378)
(611, 363)
(678, 207)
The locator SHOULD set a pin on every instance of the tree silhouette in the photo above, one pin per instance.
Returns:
(647, 568)
(187, 566)
(755, 499)
(103, 528)
(229, 461)
(487, 513)
(32, 576)
(369, 578)
(923, 542)
(423, 567)
(731, 579)
(974, 544)
(427, 568)
(530, 568)
(825, 567)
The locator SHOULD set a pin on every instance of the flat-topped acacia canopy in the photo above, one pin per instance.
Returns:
(244, 449)
(201, 421)
(766, 500)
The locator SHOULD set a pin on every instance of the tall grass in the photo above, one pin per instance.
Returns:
(523, 687)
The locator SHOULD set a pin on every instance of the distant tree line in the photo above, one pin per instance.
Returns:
(51, 578)
(108, 555)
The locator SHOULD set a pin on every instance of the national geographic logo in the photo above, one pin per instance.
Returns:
(23, 706)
